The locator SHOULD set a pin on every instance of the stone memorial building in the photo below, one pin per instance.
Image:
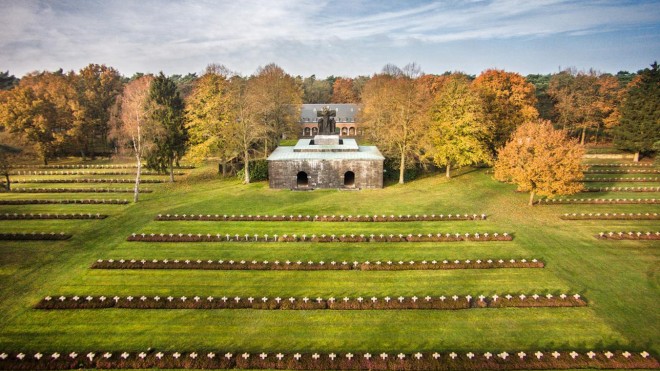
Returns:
(326, 161)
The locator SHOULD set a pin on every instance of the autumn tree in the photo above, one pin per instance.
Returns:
(210, 120)
(40, 111)
(458, 131)
(167, 112)
(640, 113)
(584, 100)
(343, 91)
(277, 99)
(541, 160)
(135, 128)
(394, 114)
(249, 127)
(508, 100)
(97, 87)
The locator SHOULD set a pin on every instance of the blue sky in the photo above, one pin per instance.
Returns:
(342, 38)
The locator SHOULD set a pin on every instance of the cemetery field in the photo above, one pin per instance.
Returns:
(619, 280)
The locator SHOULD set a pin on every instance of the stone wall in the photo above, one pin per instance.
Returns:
(325, 173)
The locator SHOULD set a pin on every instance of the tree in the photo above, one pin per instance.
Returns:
(343, 91)
(584, 100)
(315, 91)
(167, 111)
(210, 121)
(8, 156)
(248, 127)
(97, 87)
(394, 114)
(508, 100)
(277, 99)
(541, 160)
(40, 111)
(639, 125)
(7, 81)
(458, 131)
(135, 128)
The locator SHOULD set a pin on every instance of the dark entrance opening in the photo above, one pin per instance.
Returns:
(301, 179)
(349, 179)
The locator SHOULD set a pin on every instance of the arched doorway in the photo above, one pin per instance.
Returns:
(344, 131)
(315, 130)
(351, 131)
(307, 132)
(349, 179)
(302, 180)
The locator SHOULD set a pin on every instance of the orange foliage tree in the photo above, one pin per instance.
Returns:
(541, 160)
(509, 100)
(343, 91)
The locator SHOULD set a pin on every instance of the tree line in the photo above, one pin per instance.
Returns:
(416, 119)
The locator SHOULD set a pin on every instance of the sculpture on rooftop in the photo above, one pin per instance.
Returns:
(326, 121)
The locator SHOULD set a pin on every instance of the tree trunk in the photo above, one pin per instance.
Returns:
(7, 184)
(265, 149)
(531, 198)
(136, 189)
(448, 169)
(636, 158)
(246, 156)
(171, 169)
(224, 168)
(402, 168)
(584, 132)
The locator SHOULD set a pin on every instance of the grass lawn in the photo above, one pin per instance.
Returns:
(619, 279)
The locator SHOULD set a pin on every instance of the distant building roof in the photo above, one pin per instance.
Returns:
(346, 112)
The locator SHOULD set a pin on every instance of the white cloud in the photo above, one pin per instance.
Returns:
(182, 36)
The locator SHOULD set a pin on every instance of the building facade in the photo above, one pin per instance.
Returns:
(346, 119)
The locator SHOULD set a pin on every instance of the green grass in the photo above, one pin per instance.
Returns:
(618, 278)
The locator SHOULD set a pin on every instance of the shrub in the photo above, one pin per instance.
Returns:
(258, 170)
(34, 236)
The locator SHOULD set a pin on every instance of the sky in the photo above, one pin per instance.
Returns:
(340, 38)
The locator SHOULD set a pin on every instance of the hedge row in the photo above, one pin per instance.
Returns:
(189, 237)
(77, 190)
(80, 166)
(314, 266)
(51, 201)
(447, 360)
(34, 236)
(647, 179)
(616, 164)
(87, 181)
(15, 216)
(629, 235)
(622, 189)
(620, 201)
(454, 302)
(84, 172)
(322, 218)
(622, 171)
(611, 216)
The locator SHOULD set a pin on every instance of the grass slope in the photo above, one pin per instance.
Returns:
(618, 278)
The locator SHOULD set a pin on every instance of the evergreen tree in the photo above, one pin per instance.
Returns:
(639, 125)
(167, 112)
(7, 81)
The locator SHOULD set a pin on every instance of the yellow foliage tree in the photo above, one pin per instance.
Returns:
(343, 91)
(541, 160)
(210, 121)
